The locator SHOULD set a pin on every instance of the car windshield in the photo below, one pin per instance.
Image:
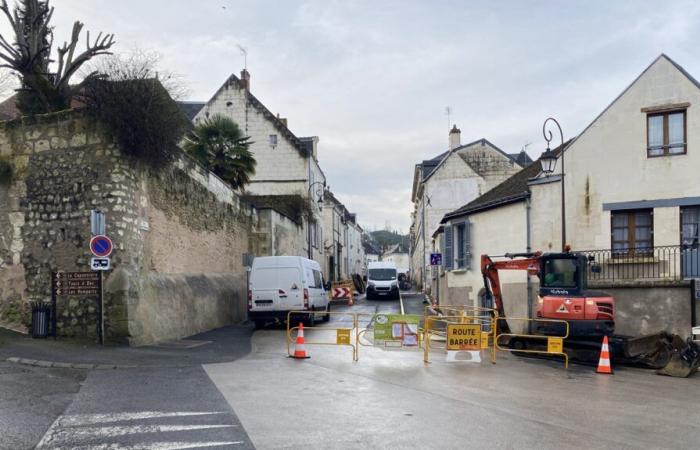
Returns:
(382, 274)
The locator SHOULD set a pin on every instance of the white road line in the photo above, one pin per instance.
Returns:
(89, 419)
(111, 431)
(153, 446)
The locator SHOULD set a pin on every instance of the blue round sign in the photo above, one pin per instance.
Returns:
(101, 246)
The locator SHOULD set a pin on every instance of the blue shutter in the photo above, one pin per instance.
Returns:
(447, 259)
(467, 245)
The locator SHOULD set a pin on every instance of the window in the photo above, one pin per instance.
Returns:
(560, 273)
(273, 140)
(318, 279)
(456, 247)
(690, 226)
(632, 232)
(666, 133)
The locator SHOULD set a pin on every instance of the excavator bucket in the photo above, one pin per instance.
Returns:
(684, 361)
(666, 352)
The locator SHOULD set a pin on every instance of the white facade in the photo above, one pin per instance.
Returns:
(455, 178)
(286, 164)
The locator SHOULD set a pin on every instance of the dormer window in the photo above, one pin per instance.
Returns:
(666, 133)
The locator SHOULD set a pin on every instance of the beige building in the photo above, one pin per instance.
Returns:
(287, 165)
(344, 253)
(632, 201)
(455, 177)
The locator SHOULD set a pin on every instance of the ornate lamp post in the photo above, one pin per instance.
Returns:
(319, 192)
(548, 160)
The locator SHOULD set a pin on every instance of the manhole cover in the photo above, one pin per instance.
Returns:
(183, 343)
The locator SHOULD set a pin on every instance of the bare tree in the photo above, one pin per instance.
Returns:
(29, 55)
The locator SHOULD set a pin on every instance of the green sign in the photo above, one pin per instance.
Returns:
(401, 328)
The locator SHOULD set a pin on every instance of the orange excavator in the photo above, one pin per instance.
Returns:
(564, 295)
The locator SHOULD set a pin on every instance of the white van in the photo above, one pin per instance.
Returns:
(382, 280)
(279, 284)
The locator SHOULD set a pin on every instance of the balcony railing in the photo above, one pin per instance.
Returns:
(662, 264)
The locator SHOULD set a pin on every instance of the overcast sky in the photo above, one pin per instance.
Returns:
(372, 78)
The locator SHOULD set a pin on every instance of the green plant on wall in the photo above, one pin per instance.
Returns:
(220, 146)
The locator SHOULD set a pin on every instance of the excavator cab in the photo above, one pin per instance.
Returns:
(564, 295)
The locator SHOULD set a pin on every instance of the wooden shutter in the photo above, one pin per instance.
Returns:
(447, 257)
(467, 245)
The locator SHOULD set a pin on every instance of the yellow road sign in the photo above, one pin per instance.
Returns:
(555, 345)
(342, 336)
(464, 337)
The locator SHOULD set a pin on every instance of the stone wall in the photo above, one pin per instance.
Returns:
(176, 223)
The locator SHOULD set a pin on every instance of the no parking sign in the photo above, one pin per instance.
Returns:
(101, 246)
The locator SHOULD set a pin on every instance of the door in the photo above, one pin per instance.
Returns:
(690, 237)
(290, 290)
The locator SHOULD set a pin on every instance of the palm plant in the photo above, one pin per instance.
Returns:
(220, 146)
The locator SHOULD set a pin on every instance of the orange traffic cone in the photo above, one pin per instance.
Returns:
(604, 363)
(299, 345)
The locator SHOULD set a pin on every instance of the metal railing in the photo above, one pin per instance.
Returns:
(668, 263)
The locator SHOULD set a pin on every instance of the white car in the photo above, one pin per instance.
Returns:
(279, 284)
(382, 281)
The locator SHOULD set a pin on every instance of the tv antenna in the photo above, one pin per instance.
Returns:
(244, 52)
(448, 111)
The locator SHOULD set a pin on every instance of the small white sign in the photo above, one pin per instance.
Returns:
(100, 263)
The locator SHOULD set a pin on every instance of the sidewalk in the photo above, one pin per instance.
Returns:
(215, 346)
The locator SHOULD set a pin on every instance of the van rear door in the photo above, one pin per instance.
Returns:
(277, 288)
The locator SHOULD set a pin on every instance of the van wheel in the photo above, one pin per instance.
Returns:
(327, 317)
(310, 319)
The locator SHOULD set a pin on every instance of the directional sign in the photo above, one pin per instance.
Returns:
(76, 283)
(100, 263)
(436, 259)
(101, 246)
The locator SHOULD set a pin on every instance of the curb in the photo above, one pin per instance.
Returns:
(61, 365)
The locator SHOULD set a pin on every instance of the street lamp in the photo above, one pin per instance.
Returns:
(320, 185)
(548, 160)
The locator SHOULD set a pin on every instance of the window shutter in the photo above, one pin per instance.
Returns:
(447, 257)
(467, 245)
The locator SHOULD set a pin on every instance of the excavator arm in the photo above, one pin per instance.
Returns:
(529, 262)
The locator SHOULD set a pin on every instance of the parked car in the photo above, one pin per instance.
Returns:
(279, 284)
(382, 281)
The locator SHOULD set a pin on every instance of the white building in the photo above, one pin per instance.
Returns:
(455, 177)
(632, 202)
(286, 164)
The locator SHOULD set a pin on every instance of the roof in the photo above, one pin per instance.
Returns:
(512, 190)
(287, 205)
(191, 108)
(443, 157)
(278, 123)
(521, 158)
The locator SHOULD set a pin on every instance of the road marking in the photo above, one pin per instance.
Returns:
(88, 419)
(66, 430)
(153, 446)
(401, 303)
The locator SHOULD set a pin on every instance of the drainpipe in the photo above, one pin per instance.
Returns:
(528, 229)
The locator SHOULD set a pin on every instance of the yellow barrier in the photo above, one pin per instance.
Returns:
(460, 332)
(343, 335)
(555, 344)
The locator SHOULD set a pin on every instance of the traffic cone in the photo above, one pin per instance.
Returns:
(604, 363)
(299, 345)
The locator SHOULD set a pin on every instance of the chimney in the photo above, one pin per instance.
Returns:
(455, 137)
(282, 119)
(245, 79)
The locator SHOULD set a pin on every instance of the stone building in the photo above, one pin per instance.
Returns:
(287, 165)
(345, 254)
(455, 177)
(178, 232)
(632, 201)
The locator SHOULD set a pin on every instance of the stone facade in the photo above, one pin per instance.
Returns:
(167, 226)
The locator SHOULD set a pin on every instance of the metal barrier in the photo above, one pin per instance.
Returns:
(343, 335)
(555, 344)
